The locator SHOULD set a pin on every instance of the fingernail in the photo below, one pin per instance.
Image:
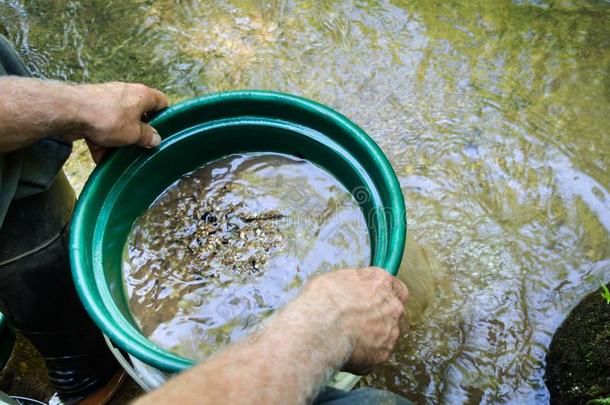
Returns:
(156, 139)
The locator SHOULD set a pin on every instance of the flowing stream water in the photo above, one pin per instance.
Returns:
(494, 114)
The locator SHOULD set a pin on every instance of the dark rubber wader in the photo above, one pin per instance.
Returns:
(37, 293)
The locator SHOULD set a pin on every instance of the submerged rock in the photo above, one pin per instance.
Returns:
(578, 361)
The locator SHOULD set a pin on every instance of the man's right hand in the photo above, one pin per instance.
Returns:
(368, 304)
(344, 318)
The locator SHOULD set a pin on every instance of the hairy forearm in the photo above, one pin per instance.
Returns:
(31, 109)
(287, 362)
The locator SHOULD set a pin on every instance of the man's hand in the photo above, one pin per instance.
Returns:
(345, 316)
(113, 114)
(105, 115)
(368, 304)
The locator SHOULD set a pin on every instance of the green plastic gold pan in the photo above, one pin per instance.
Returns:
(199, 131)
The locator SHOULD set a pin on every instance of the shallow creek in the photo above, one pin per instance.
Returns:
(494, 114)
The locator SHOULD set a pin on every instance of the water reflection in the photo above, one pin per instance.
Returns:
(495, 116)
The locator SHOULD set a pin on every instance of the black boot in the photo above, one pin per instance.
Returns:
(38, 296)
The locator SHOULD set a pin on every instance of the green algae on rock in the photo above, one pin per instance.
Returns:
(578, 361)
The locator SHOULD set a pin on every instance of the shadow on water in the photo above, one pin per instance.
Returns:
(495, 116)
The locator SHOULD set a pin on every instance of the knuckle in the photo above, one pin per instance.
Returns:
(399, 309)
(138, 92)
(139, 88)
(365, 274)
(386, 277)
(380, 273)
